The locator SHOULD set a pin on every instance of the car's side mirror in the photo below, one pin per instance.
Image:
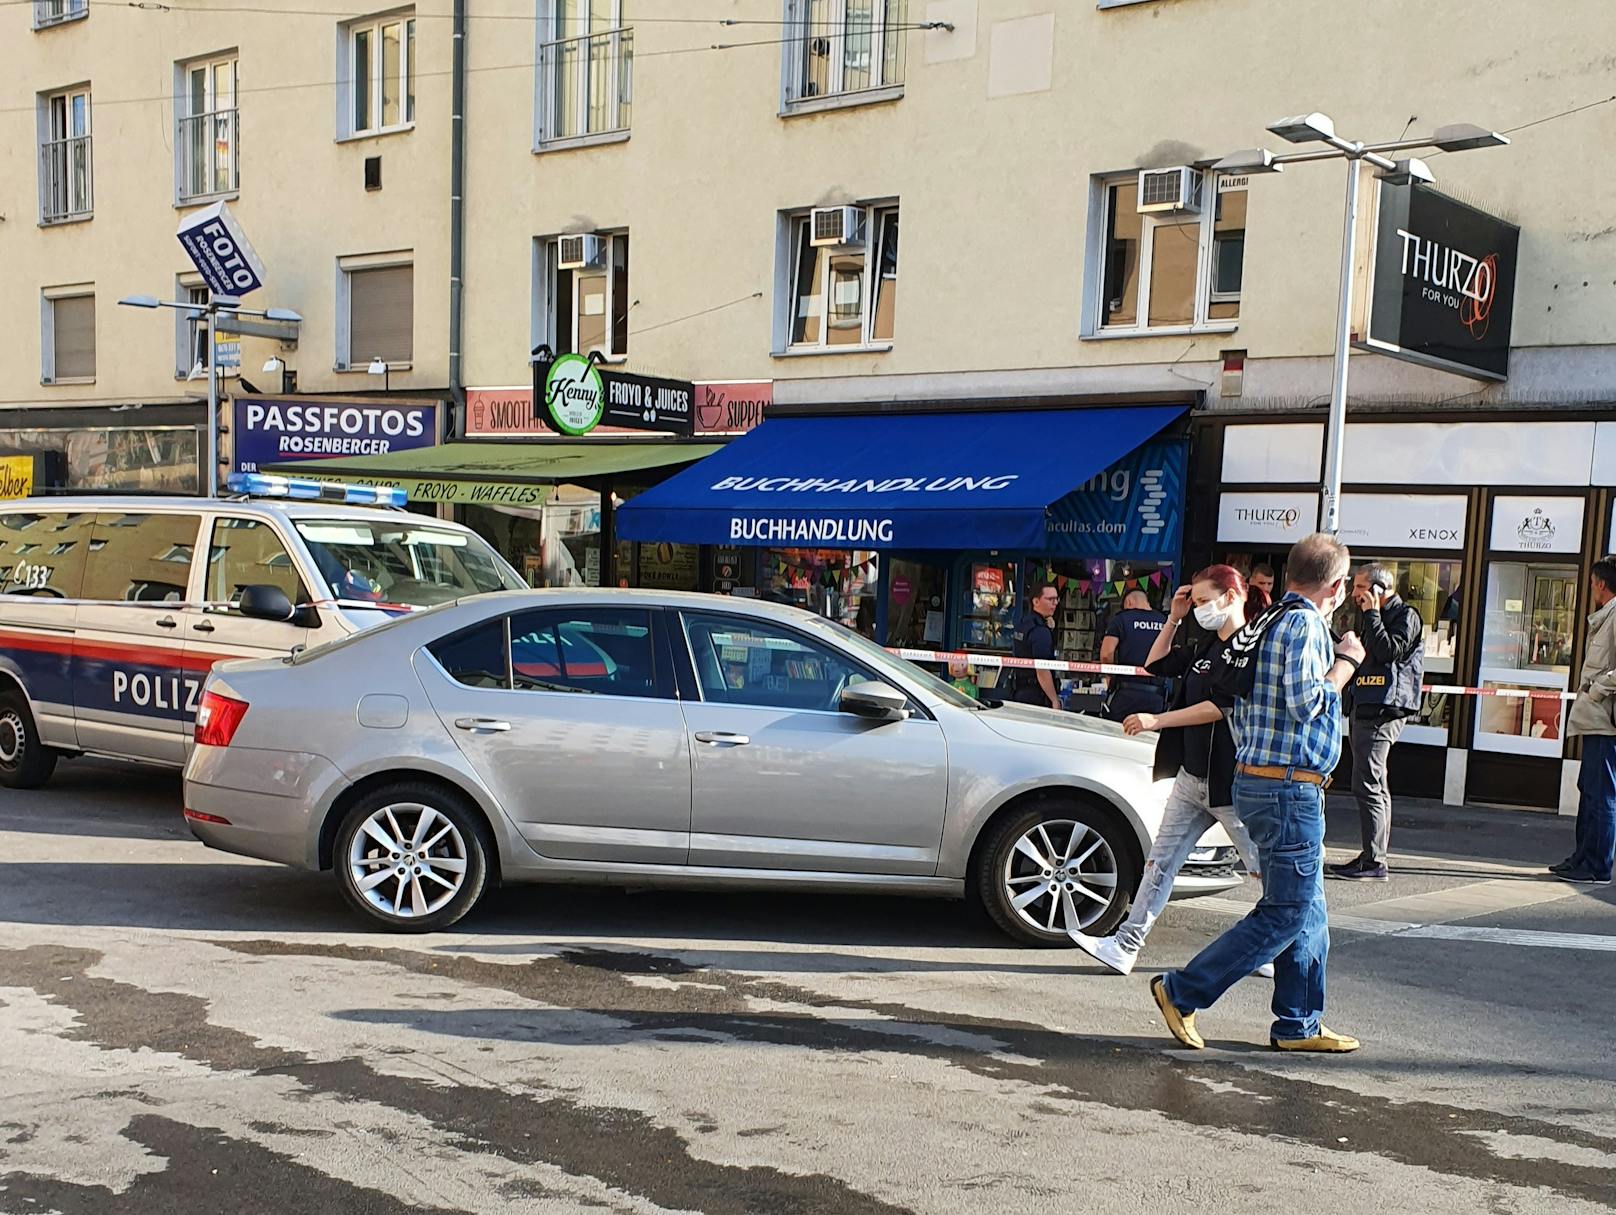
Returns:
(263, 602)
(875, 700)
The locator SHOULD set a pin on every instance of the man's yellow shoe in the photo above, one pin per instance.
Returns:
(1181, 1024)
(1325, 1042)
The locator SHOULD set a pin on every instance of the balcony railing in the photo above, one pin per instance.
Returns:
(209, 154)
(54, 12)
(586, 85)
(65, 179)
(856, 51)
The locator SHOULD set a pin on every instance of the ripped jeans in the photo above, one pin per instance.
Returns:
(1186, 819)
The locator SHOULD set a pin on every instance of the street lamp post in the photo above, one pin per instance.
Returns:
(211, 309)
(1319, 128)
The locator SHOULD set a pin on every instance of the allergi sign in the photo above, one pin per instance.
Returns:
(220, 251)
(1442, 290)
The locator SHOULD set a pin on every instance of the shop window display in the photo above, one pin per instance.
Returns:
(833, 583)
(1526, 644)
(1091, 594)
(917, 602)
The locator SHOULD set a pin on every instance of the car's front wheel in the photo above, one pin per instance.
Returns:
(25, 762)
(1057, 865)
(412, 856)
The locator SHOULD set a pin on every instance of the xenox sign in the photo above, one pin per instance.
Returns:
(1442, 290)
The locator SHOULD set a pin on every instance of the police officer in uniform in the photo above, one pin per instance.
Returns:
(1035, 638)
(1128, 641)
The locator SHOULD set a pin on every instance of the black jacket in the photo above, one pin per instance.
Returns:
(1389, 680)
(1197, 649)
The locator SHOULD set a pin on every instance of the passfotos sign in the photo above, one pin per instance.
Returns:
(221, 252)
(269, 430)
(1442, 285)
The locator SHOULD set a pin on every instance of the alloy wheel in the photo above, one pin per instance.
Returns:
(407, 860)
(1061, 875)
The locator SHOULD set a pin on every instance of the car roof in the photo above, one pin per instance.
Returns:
(626, 596)
(285, 508)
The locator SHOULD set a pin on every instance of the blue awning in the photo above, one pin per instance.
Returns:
(895, 481)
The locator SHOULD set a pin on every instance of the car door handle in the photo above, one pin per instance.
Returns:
(166, 622)
(486, 725)
(722, 738)
(205, 627)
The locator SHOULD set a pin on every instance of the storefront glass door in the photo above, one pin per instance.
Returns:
(1530, 620)
(917, 604)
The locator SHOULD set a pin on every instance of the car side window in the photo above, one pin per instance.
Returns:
(247, 552)
(609, 651)
(476, 656)
(43, 553)
(140, 558)
(751, 662)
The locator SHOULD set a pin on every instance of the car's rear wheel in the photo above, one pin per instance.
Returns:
(412, 856)
(1060, 864)
(25, 762)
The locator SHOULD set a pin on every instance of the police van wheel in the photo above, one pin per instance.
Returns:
(25, 762)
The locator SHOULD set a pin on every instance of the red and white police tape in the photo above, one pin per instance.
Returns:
(1106, 668)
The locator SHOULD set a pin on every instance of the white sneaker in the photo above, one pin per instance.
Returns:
(1265, 971)
(1105, 950)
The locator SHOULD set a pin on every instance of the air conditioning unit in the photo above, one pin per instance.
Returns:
(580, 251)
(836, 226)
(1177, 189)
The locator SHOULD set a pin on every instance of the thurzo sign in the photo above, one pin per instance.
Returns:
(572, 396)
(278, 430)
(220, 251)
(1442, 287)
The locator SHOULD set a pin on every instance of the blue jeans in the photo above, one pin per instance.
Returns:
(1289, 925)
(1596, 812)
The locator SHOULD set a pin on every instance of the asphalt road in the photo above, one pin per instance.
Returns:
(186, 1031)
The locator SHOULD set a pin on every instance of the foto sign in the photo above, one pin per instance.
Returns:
(573, 396)
(220, 251)
(1442, 285)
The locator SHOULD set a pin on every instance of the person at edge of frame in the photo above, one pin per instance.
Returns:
(1593, 719)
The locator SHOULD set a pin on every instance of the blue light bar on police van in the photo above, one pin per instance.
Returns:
(264, 485)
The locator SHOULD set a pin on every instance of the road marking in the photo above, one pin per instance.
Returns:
(1376, 926)
(1466, 902)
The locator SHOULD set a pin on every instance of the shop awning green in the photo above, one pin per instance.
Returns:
(512, 474)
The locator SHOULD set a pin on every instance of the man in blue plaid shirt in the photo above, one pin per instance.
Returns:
(1287, 733)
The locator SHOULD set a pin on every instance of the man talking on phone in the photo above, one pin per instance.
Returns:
(1383, 696)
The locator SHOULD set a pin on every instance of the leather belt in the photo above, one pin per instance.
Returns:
(1274, 772)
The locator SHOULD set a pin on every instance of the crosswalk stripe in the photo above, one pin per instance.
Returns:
(1526, 937)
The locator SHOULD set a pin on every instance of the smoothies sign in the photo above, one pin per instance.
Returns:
(574, 396)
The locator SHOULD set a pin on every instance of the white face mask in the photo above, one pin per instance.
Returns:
(1210, 616)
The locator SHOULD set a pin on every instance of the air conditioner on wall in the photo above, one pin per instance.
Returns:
(1168, 191)
(836, 226)
(580, 251)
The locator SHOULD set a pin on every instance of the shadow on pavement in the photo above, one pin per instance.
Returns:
(91, 797)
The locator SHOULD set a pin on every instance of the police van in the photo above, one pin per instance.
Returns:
(112, 610)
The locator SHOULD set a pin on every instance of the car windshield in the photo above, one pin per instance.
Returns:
(405, 563)
(882, 660)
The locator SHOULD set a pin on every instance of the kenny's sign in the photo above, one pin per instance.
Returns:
(1442, 284)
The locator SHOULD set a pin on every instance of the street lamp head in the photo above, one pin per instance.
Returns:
(283, 314)
(377, 366)
(140, 301)
(1407, 172)
(274, 363)
(1305, 128)
(1464, 136)
(1248, 160)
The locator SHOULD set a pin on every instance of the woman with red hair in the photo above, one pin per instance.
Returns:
(1195, 750)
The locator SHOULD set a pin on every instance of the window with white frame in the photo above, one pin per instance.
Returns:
(585, 286)
(65, 156)
(840, 47)
(1171, 257)
(376, 311)
(586, 69)
(207, 138)
(843, 287)
(379, 61)
(67, 335)
(54, 12)
(190, 328)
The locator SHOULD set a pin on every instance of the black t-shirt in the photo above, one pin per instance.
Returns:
(1136, 630)
(1206, 750)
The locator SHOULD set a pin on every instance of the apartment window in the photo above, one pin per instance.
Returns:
(586, 70)
(207, 142)
(55, 12)
(844, 277)
(67, 337)
(586, 308)
(376, 314)
(843, 47)
(65, 176)
(379, 59)
(190, 328)
(1169, 269)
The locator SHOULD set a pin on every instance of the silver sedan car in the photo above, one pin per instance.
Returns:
(638, 738)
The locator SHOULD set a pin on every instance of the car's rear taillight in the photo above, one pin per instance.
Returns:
(217, 719)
